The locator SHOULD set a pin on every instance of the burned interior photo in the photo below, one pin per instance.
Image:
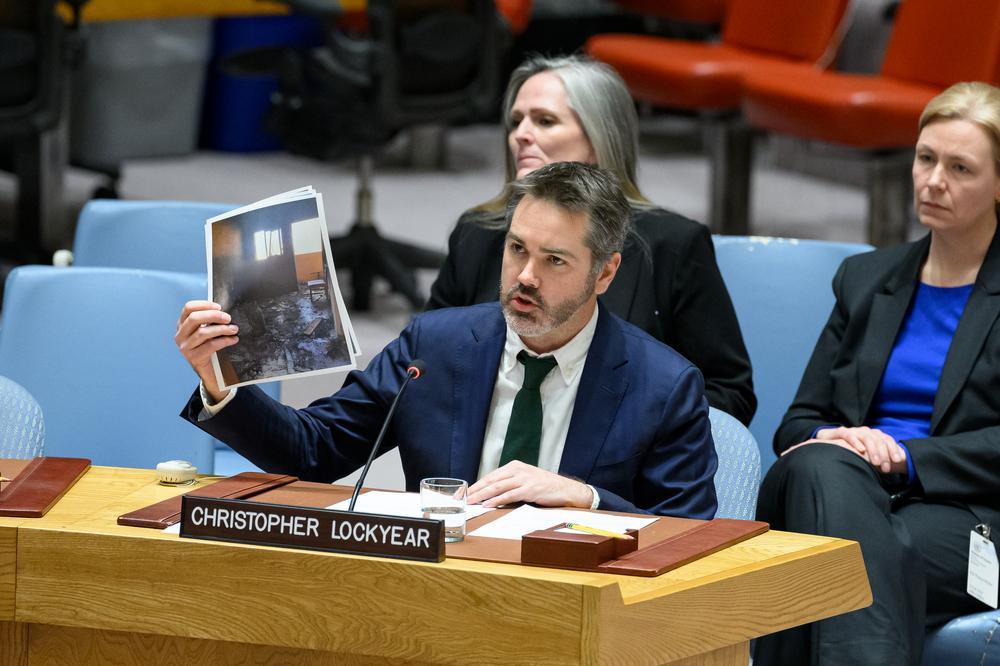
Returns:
(270, 272)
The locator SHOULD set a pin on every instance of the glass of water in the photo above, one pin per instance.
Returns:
(444, 499)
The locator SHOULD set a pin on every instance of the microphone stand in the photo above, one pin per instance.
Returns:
(413, 372)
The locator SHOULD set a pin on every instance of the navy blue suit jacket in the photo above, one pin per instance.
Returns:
(639, 432)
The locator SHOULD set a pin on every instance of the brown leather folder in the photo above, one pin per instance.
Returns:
(166, 513)
(685, 547)
(40, 485)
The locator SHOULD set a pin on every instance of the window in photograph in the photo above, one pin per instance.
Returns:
(268, 243)
(306, 237)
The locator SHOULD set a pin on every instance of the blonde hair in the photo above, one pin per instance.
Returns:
(975, 102)
(607, 115)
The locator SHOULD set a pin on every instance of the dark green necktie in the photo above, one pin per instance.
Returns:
(524, 432)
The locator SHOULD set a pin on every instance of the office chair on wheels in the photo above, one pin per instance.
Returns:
(37, 52)
(419, 62)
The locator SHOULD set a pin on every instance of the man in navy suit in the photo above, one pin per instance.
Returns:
(624, 419)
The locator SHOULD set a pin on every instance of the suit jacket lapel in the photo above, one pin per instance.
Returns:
(885, 319)
(973, 328)
(477, 363)
(602, 387)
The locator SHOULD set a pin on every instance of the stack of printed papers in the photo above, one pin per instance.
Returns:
(270, 268)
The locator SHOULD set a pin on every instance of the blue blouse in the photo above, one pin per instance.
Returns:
(904, 400)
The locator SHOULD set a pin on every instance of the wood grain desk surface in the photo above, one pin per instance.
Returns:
(77, 568)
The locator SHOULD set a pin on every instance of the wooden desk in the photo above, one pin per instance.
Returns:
(88, 591)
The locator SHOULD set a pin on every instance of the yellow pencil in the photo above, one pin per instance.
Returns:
(598, 531)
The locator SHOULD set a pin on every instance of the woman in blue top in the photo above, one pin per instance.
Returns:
(893, 439)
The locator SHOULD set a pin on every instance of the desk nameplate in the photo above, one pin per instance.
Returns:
(245, 521)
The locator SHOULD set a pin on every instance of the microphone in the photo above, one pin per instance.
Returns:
(413, 372)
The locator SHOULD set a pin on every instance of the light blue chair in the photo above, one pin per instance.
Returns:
(22, 426)
(156, 235)
(153, 235)
(738, 476)
(781, 291)
(95, 347)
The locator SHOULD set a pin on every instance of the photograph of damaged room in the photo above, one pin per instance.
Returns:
(271, 272)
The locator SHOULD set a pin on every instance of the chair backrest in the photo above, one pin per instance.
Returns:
(95, 347)
(781, 291)
(809, 31)
(33, 70)
(435, 62)
(154, 235)
(22, 426)
(940, 43)
(417, 63)
(738, 476)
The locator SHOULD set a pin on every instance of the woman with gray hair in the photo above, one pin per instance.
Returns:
(576, 109)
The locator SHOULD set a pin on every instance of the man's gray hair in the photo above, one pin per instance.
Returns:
(581, 188)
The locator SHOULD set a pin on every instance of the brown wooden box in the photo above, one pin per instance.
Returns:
(573, 550)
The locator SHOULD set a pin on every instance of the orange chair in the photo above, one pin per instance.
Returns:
(516, 12)
(708, 78)
(934, 44)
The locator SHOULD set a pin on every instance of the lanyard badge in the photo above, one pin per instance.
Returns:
(983, 567)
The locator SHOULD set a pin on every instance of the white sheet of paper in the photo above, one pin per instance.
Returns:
(525, 519)
(398, 504)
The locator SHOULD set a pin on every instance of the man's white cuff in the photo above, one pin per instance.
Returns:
(208, 409)
(597, 498)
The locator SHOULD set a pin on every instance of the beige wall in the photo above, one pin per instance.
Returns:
(225, 240)
(307, 265)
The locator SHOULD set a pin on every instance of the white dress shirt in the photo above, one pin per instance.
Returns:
(558, 391)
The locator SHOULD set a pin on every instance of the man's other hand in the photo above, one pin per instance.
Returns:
(519, 482)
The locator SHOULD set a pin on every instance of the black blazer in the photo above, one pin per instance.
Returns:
(668, 285)
(960, 460)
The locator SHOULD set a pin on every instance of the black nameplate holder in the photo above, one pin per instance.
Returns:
(245, 521)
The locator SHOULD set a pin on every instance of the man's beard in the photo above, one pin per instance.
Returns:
(544, 318)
